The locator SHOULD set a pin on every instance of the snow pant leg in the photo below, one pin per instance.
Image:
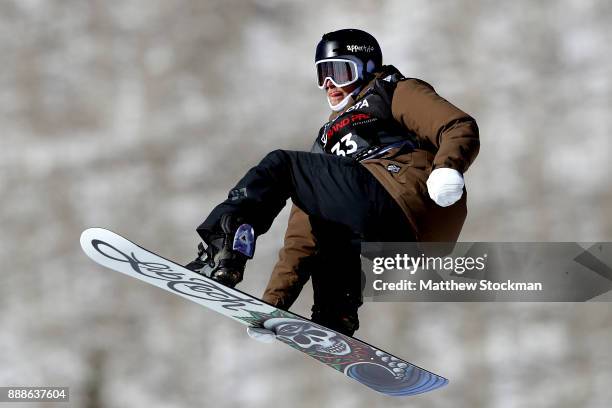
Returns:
(328, 187)
(337, 278)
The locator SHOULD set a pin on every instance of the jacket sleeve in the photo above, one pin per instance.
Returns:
(287, 278)
(435, 121)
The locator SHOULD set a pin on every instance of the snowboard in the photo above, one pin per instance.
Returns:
(354, 358)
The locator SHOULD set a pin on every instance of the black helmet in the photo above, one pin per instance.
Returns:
(351, 43)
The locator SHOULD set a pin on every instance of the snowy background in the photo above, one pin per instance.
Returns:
(137, 115)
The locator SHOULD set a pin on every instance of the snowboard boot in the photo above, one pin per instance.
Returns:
(226, 252)
(342, 321)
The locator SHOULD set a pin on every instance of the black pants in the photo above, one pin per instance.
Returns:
(346, 205)
(330, 188)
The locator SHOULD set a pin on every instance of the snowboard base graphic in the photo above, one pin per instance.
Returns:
(356, 359)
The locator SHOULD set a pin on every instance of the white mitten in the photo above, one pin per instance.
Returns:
(261, 334)
(445, 186)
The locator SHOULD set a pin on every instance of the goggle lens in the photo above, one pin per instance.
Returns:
(340, 72)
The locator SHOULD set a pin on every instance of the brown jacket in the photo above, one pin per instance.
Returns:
(448, 137)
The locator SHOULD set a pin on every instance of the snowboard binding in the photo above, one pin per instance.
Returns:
(226, 253)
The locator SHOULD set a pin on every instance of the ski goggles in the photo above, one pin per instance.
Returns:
(341, 72)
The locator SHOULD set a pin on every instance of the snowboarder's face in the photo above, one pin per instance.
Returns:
(336, 94)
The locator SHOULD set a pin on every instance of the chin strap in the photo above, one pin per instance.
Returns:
(340, 105)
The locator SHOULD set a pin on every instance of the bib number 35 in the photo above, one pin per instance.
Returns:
(351, 146)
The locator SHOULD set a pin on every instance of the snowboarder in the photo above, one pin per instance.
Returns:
(387, 166)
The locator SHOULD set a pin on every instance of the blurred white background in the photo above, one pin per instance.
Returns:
(139, 115)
